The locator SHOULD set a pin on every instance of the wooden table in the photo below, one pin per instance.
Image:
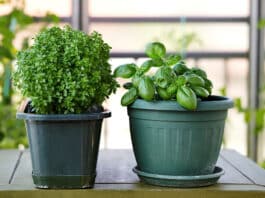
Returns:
(243, 178)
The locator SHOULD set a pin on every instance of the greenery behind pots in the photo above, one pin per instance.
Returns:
(12, 132)
(66, 76)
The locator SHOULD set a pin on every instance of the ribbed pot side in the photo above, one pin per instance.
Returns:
(170, 140)
(64, 149)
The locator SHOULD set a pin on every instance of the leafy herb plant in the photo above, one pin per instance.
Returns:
(173, 80)
(65, 71)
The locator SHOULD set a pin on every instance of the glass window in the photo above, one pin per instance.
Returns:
(169, 8)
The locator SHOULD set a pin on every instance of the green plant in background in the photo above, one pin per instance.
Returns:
(261, 23)
(65, 71)
(248, 113)
(12, 131)
(172, 80)
(179, 43)
(259, 114)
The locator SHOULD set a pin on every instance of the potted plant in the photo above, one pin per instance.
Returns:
(176, 124)
(66, 76)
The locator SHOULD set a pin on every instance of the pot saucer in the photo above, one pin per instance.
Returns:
(180, 181)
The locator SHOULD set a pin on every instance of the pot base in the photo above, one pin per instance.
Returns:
(63, 182)
(180, 181)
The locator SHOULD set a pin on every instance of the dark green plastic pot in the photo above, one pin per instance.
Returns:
(64, 148)
(169, 140)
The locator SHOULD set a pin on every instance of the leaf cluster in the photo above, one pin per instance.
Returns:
(173, 79)
(65, 71)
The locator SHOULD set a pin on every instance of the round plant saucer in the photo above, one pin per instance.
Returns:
(180, 181)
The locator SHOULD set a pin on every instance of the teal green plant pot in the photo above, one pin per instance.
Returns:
(64, 148)
(169, 140)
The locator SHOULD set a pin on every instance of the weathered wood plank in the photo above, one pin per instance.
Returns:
(232, 175)
(143, 187)
(122, 162)
(8, 159)
(246, 166)
(134, 191)
(115, 166)
(23, 173)
(115, 179)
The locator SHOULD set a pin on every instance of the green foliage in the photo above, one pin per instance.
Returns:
(262, 164)
(146, 88)
(186, 97)
(155, 50)
(10, 25)
(179, 42)
(12, 131)
(125, 71)
(65, 71)
(261, 23)
(51, 18)
(129, 97)
(173, 80)
(257, 113)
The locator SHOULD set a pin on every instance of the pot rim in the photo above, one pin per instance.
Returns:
(61, 117)
(212, 104)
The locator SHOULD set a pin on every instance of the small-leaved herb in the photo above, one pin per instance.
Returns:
(65, 71)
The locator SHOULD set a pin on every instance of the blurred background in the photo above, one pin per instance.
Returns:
(226, 38)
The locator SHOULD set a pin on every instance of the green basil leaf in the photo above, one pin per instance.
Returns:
(195, 80)
(125, 71)
(172, 59)
(181, 80)
(187, 98)
(199, 72)
(146, 88)
(157, 62)
(172, 89)
(129, 97)
(200, 91)
(135, 80)
(146, 66)
(163, 93)
(155, 50)
(180, 68)
(164, 76)
(208, 85)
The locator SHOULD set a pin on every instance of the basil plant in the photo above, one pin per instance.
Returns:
(173, 79)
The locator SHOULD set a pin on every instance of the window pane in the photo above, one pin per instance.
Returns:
(39, 8)
(169, 8)
(209, 37)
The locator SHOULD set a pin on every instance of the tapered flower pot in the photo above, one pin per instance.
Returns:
(64, 148)
(171, 141)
